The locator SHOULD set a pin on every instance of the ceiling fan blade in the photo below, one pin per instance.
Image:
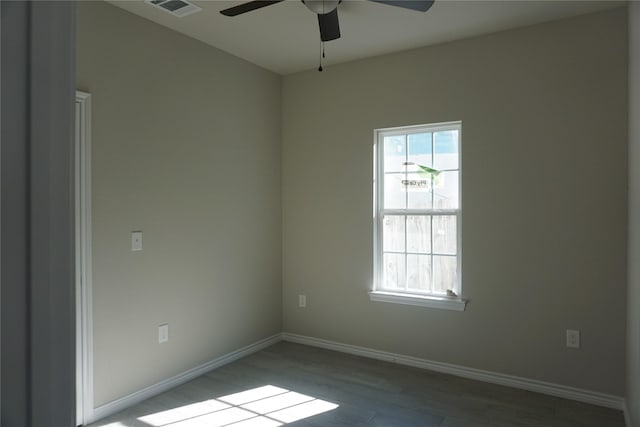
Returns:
(248, 7)
(329, 26)
(419, 5)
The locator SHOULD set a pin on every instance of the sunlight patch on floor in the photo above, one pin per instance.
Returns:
(266, 406)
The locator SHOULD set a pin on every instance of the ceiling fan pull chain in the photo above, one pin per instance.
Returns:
(321, 55)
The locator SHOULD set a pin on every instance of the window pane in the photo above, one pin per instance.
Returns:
(444, 274)
(446, 150)
(394, 271)
(395, 196)
(418, 189)
(419, 272)
(419, 234)
(444, 234)
(393, 233)
(420, 149)
(446, 190)
(395, 153)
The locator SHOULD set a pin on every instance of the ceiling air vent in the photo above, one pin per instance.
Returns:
(177, 8)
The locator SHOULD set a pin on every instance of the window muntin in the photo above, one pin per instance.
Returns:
(417, 226)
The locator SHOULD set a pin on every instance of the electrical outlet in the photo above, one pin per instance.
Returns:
(302, 301)
(163, 333)
(573, 338)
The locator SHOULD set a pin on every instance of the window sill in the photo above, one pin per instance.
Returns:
(456, 304)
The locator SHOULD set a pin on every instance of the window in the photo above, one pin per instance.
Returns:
(417, 216)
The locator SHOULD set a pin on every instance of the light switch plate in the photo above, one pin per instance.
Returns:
(163, 333)
(136, 240)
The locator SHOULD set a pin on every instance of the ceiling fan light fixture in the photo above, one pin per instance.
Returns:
(321, 7)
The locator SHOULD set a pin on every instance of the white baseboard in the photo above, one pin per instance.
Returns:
(137, 397)
(581, 395)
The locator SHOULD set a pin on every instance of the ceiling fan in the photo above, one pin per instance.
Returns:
(327, 11)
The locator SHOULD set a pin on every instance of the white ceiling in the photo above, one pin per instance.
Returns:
(284, 37)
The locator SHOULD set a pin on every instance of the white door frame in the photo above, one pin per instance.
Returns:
(84, 315)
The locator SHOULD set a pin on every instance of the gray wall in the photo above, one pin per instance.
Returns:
(15, 213)
(186, 148)
(633, 300)
(544, 158)
(37, 292)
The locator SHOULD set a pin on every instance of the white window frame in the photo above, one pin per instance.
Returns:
(377, 293)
